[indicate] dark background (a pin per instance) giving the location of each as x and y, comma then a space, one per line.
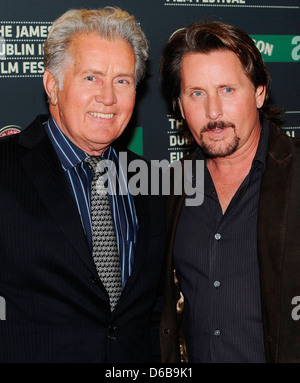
22, 98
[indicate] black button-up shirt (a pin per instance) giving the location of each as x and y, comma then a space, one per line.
217, 267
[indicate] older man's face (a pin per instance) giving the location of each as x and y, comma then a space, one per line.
97, 97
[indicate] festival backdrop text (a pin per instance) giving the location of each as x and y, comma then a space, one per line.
24, 25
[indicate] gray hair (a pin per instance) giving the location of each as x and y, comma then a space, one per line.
109, 23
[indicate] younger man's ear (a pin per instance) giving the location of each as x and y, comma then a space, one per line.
260, 95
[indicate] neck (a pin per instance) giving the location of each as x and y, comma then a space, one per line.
91, 148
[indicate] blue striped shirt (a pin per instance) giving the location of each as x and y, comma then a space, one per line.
79, 177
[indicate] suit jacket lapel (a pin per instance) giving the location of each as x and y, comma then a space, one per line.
44, 169
273, 209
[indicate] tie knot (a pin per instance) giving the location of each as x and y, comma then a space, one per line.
95, 164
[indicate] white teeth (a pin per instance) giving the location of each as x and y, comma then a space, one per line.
101, 115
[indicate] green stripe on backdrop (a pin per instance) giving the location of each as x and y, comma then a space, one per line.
278, 48
136, 142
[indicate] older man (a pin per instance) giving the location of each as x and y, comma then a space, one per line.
80, 269
236, 255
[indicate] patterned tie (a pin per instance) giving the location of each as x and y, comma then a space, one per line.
105, 248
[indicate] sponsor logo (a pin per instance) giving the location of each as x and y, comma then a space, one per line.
9, 130
278, 48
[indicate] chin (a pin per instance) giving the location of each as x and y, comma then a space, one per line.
220, 151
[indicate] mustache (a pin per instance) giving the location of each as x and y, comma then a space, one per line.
217, 125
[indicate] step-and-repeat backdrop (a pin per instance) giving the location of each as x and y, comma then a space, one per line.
24, 25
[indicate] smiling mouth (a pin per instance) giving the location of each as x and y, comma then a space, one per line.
102, 115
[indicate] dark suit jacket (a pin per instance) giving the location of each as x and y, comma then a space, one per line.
278, 252
56, 306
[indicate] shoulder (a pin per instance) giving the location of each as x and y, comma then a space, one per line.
295, 144
14, 146
9, 149
281, 146
29, 134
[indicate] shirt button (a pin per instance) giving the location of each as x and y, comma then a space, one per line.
217, 283
217, 332
217, 236
112, 328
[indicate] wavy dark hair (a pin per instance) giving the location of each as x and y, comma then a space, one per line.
215, 36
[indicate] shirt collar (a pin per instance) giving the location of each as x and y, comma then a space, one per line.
261, 155
68, 153
262, 149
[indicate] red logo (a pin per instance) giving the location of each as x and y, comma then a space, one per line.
9, 130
